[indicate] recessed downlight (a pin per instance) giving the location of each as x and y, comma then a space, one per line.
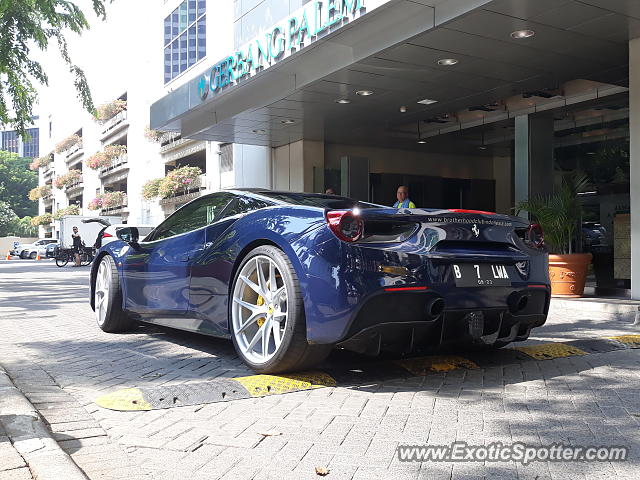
259, 131
403, 109
427, 101
343, 101
422, 141
518, 34
447, 62
288, 121
364, 93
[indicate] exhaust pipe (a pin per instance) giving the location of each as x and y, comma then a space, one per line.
518, 302
434, 308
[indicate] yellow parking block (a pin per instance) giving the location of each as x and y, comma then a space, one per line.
262, 385
545, 351
125, 399
437, 363
632, 341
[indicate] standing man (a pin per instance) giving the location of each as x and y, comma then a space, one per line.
403, 198
77, 245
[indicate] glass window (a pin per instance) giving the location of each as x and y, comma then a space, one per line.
184, 37
243, 205
183, 16
167, 64
175, 59
318, 200
31, 145
167, 30
202, 38
183, 52
10, 141
192, 216
192, 45
192, 11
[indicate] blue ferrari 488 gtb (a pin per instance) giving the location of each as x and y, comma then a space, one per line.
289, 276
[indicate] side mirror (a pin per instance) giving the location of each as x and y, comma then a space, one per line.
129, 235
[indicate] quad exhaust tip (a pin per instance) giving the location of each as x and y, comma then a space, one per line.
518, 302
434, 308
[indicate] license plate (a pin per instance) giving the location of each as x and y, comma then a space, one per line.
481, 275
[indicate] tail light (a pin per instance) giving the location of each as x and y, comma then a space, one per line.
534, 236
345, 225
106, 235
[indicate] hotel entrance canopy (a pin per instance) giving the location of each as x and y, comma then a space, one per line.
308, 76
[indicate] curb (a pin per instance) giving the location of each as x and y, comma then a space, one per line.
31, 438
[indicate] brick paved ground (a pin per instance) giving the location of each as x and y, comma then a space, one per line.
55, 353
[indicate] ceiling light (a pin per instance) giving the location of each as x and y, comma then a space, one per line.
422, 140
482, 147
364, 93
288, 121
403, 109
343, 100
427, 101
259, 131
518, 34
447, 62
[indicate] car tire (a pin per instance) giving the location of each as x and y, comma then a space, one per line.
33, 255
280, 303
108, 298
23, 254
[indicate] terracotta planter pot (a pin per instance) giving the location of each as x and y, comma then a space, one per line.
568, 274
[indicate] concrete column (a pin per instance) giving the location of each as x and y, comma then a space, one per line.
533, 172
521, 167
634, 178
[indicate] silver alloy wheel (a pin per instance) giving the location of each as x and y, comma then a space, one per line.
101, 296
259, 310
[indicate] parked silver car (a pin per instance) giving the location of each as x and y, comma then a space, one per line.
31, 250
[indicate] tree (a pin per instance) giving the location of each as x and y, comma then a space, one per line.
15, 182
25, 23
7, 219
10, 224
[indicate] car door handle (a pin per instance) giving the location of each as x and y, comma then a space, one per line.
207, 245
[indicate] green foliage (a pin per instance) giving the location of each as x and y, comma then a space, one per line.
7, 217
560, 213
16, 180
45, 219
70, 210
28, 24
609, 164
10, 224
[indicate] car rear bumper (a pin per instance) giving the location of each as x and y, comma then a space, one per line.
417, 320
406, 322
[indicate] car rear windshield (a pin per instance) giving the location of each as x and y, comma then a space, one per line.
331, 202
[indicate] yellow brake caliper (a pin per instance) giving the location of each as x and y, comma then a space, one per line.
260, 302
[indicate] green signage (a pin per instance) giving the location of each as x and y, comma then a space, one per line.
303, 27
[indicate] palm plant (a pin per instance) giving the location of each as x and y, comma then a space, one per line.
560, 213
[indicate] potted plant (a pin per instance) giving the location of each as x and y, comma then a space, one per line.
559, 214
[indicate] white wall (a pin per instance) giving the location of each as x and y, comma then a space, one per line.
125, 54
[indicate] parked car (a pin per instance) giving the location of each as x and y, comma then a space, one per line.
50, 250
111, 233
31, 250
288, 276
